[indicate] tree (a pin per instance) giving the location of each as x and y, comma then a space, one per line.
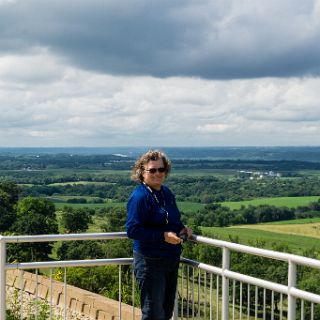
9, 193
75, 220
75, 250
34, 216
115, 219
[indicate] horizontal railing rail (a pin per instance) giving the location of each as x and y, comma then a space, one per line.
224, 271
63, 237
68, 263
276, 255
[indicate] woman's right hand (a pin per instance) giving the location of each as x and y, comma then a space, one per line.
171, 238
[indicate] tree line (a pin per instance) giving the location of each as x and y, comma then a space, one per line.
202, 189
117, 162
216, 215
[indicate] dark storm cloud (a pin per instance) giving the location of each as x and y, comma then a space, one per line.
208, 39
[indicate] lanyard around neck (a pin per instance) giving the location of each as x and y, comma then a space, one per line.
158, 202
155, 196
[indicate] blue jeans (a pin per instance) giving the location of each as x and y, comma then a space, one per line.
157, 280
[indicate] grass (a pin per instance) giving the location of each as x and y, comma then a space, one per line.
290, 202
89, 171
249, 235
61, 198
305, 229
204, 172
60, 205
295, 221
188, 206
79, 183
183, 206
95, 226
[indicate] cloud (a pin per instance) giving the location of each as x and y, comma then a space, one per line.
37, 67
73, 107
159, 73
206, 39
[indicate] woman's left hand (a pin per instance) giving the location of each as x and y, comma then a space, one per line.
186, 231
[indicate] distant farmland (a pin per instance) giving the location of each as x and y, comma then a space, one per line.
303, 229
290, 202
305, 238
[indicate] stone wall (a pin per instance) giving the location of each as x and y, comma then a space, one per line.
81, 304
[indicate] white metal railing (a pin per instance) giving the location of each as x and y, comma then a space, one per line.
51, 264
197, 291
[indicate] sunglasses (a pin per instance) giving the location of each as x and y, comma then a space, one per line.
154, 170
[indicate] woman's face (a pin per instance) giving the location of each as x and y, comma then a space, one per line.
154, 179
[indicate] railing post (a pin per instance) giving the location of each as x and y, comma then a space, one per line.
225, 284
176, 307
292, 280
2, 279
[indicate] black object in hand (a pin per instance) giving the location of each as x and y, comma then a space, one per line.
183, 236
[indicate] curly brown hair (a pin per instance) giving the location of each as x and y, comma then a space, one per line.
151, 155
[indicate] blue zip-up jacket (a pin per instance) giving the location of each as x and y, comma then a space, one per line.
146, 221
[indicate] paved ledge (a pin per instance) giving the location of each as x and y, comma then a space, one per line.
79, 303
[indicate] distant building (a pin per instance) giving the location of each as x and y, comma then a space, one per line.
255, 175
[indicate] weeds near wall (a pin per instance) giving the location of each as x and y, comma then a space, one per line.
35, 309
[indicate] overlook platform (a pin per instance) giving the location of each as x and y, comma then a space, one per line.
204, 291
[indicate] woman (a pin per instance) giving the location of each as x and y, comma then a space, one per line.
154, 223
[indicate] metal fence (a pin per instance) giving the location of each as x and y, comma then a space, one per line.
204, 291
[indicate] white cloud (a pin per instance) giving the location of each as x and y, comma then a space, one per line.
214, 128
159, 73
76, 107
6, 1
34, 68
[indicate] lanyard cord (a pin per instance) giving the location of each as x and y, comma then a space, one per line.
163, 207
155, 196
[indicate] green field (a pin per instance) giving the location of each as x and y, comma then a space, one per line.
272, 240
79, 183
183, 206
252, 235
295, 221
61, 198
59, 205
225, 173
290, 202
186, 206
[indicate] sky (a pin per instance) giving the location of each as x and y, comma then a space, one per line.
105, 73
